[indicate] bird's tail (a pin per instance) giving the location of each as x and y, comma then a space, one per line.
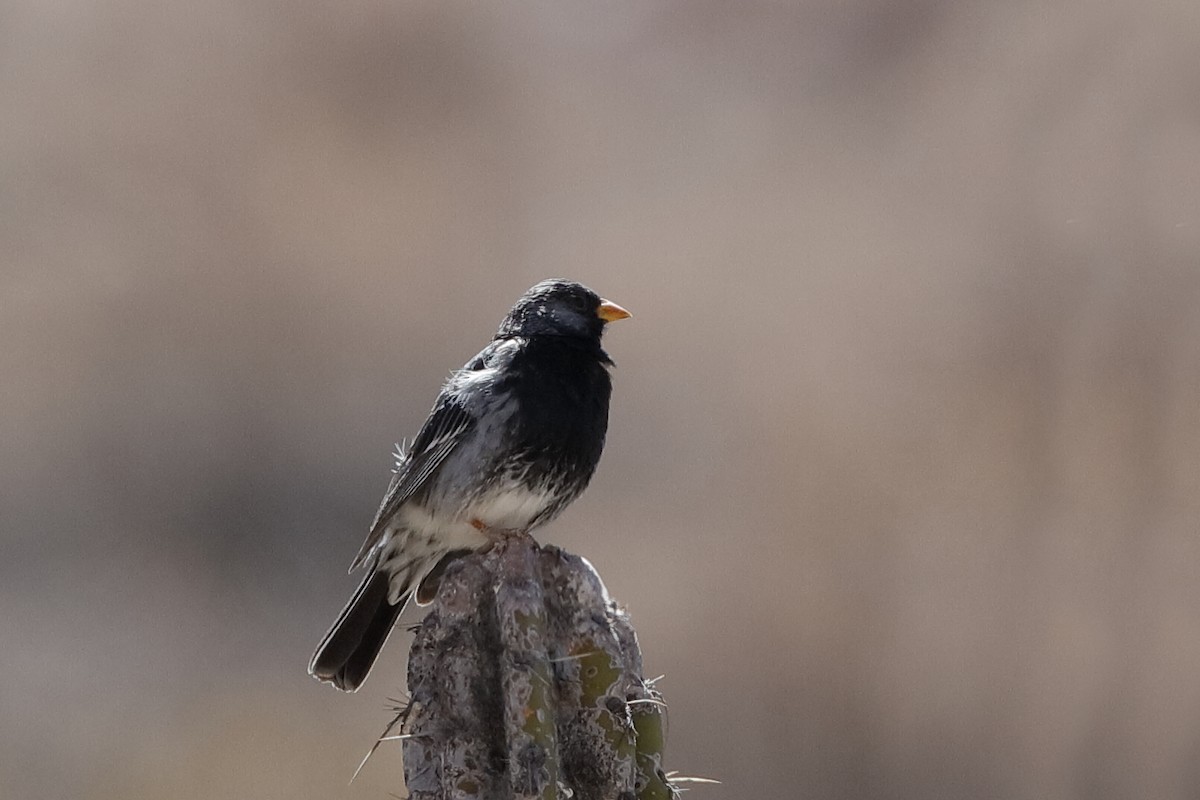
348, 651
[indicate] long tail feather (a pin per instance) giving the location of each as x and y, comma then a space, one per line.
349, 650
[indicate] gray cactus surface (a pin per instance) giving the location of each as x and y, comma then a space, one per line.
526, 682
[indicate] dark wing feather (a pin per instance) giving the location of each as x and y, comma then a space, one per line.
446, 426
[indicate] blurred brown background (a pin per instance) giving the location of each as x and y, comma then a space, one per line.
901, 484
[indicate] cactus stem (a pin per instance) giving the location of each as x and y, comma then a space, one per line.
526, 683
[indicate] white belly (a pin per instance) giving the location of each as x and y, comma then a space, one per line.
514, 508
415, 540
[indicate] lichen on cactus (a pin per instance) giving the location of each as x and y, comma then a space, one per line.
526, 682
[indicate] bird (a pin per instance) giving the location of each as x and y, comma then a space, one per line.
512, 439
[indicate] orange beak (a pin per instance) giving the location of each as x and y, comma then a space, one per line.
611, 312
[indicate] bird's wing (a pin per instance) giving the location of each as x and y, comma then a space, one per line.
447, 425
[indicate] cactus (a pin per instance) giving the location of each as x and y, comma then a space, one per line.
525, 682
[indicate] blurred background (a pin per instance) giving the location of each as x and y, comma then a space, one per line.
902, 480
